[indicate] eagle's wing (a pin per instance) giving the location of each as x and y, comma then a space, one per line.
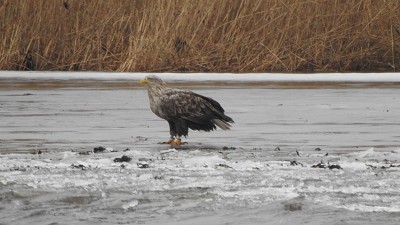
201, 112
183, 104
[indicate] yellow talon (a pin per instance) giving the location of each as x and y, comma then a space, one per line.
177, 142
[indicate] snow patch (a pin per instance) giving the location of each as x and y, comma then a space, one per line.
131, 204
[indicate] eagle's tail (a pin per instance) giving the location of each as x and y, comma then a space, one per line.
223, 124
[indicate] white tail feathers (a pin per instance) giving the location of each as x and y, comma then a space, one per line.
222, 124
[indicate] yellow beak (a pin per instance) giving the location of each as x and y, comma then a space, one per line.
144, 81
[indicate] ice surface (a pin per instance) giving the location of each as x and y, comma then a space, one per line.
224, 177
186, 185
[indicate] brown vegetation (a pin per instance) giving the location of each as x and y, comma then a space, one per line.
200, 35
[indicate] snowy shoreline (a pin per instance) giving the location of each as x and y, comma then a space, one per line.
207, 77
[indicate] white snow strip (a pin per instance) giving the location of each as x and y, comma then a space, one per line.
209, 77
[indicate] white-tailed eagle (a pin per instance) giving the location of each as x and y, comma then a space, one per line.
184, 109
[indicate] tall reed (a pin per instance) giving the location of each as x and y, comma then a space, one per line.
206, 35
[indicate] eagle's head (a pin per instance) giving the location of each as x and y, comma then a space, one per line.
152, 80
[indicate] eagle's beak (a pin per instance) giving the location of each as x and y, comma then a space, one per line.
144, 81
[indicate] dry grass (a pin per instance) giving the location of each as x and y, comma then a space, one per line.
206, 35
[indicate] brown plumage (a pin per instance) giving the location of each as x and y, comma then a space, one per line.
184, 109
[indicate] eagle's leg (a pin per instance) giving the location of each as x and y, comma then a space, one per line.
171, 139
171, 132
178, 141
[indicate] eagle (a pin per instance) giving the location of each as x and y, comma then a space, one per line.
184, 109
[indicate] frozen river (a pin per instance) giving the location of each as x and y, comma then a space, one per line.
310, 154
